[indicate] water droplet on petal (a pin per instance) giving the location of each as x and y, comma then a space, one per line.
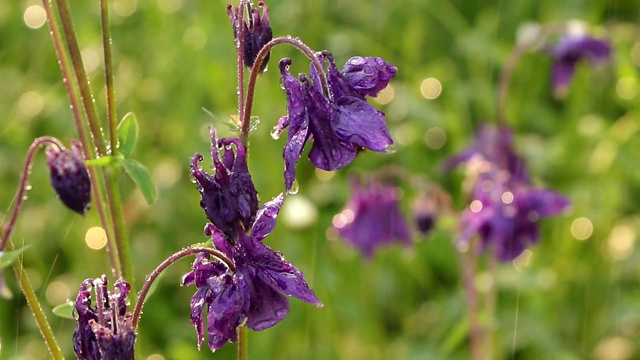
275, 133
294, 188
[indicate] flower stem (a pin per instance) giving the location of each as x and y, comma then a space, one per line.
23, 184
468, 263
112, 114
36, 309
137, 312
245, 115
244, 127
87, 148
243, 343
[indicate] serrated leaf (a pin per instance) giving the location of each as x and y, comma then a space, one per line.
127, 134
8, 257
103, 161
64, 310
141, 177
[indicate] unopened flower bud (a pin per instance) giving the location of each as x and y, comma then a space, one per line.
69, 177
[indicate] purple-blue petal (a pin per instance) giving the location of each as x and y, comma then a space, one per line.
357, 122
368, 75
266, 218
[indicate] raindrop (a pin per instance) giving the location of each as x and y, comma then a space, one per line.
24, 198
295, 187
335, 154
27, 187
192, 177
275, 133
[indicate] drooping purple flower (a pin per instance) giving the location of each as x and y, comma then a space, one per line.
256, 31
69, 177
505, 217
228, 197
253, 292
105, 330
492, 149
372, 218
337, 119
570, 50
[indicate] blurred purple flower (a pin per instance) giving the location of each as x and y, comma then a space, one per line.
69, 177
372, 218
338, 120
228, 197
254, 291
506, 217
568, 51
492, 149
256, 32
105, 330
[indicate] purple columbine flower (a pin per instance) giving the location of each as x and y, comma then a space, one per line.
506, 217
228, 197
570, 50
105, 330
338, 120
256, 31
254, 291
69, 177
492, 149
372, 218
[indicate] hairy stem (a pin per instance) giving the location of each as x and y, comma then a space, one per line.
165, 264
36, 309
243, 343
112, 114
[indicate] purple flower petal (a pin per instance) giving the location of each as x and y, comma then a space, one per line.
358, 123
368, 75
266, 218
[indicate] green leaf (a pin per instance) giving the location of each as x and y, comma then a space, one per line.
128, 134
103, 161
141, 177
8, 257
64, 310
232, 126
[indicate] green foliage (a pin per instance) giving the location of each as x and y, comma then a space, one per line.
571, 300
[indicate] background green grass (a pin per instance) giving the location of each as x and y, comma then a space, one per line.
575, 300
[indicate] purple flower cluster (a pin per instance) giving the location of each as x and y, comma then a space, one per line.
338, 120
256, 32
69, 177
506, 208
105, 330
253, 292
372, 218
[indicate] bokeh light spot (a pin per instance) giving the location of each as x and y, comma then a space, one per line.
581, 228
57, 292
30, 104
125, 8
435, 138
635, 54
35, 16
299, 212
627, 88
169, 7
621, 242
96, 238
342, 219
195, 38
614, 348
430, 88
155, 357
507, 197
385, 96
405, 134
523, 260
476, 206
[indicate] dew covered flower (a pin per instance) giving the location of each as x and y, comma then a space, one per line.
569, 51
105, 329
228, 197
338, 120
253, 291
372, 218
255, 29
69, 177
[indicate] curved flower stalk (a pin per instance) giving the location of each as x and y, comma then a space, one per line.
254, 292
372, 218
105, 330
338, 120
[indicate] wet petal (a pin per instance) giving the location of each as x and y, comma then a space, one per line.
358, 123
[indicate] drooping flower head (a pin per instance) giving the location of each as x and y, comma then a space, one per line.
228, 197
105, 330
255, 29
255, 291
505, 216
69, 177
569, 51
505, 207
372, 218
337, 119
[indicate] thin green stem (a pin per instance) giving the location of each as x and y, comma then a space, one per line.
36, 309
468, 264
112, 114
243, 343
120, 233
137, 312
255, 71
244, 127
97, 176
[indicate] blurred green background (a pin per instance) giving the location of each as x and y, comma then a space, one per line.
576, 297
